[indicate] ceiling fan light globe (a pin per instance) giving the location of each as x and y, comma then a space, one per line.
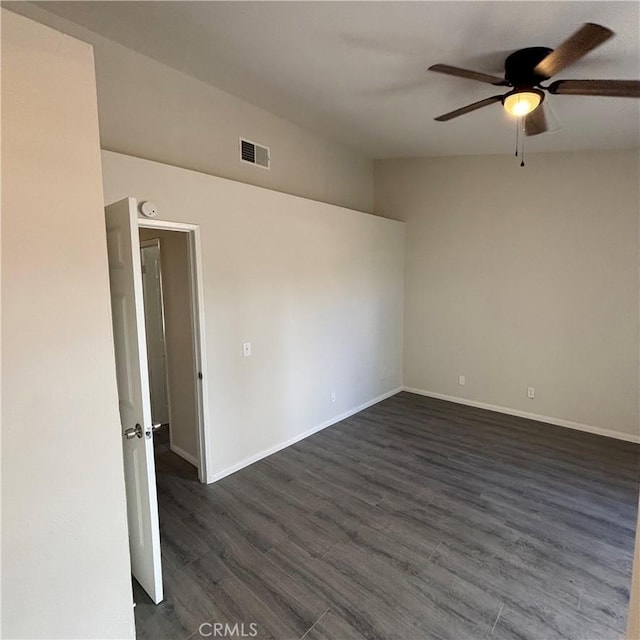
520, 103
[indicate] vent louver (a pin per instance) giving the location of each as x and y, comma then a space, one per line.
255, 154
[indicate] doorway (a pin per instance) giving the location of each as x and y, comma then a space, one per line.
171, 295
132, 375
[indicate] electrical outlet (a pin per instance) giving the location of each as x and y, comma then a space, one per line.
333, 396
462, 380
246, 349
531, 393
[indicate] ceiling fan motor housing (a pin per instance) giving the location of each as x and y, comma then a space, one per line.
519, 67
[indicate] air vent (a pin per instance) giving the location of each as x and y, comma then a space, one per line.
253, 153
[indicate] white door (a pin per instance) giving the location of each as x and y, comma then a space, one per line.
127, 310
154, 324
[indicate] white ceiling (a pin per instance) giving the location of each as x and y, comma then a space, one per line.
356, 71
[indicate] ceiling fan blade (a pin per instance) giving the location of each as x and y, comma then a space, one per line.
466, 73
536, 122
613, 88
470, 107
588, 37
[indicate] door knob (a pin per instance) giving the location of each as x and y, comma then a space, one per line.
133, 432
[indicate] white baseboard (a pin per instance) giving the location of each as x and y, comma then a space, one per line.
183, 454
559, 422
214, 477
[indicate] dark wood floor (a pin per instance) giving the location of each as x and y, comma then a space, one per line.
416, 518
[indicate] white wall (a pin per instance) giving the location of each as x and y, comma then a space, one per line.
181, 359
152, 111
65, 555
522, 277
316, 289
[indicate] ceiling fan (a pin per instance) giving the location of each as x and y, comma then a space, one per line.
526, 69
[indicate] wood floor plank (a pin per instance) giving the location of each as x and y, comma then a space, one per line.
180, 543
435, 600
332, 627
365, 610
535, 621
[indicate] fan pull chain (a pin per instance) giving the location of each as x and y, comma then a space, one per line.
520, 124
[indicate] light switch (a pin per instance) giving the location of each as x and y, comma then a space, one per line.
246, 349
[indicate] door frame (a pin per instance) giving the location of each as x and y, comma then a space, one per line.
198, 325
156, 243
